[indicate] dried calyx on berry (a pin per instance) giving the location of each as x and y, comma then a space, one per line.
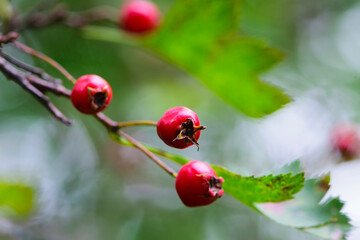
98, 97
179, 127
198, 185
188, 130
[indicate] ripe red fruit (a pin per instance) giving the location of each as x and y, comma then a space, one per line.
198, 185
91, 94
139, 16
179, 127
345, 139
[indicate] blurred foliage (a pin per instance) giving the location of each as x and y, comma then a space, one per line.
201, 37
18, 197
228, 63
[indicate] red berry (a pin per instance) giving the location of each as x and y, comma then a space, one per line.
179, 127
91, 94
198, 185
139, 16
345, 139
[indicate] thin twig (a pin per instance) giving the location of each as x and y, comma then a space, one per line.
160, 152
31, 69
21, 79
111, 125
45, 59
42, 6
84, 18
149, 154
10, 37
61, 15
49, 86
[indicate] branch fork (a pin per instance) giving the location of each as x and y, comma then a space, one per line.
37, 83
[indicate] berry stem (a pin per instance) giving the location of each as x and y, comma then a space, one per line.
147, 152
136, 123
171, 156
113, 126
45, 58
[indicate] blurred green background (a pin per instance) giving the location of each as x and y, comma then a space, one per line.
88, 187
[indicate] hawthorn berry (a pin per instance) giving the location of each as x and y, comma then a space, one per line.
139, 16
179, 127
198, 185
346, 140
91, 94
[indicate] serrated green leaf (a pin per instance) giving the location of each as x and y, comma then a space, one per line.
306, 213
16, 196
332, 231
250, 190
200, 36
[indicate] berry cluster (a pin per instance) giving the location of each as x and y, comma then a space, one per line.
196, 183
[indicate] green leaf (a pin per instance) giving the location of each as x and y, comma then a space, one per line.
16, 196
200, 36
334, 231
305, 212
250, 190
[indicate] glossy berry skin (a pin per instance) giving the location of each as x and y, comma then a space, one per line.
139, 16
198, 185
345, 139
91, 94
179, 127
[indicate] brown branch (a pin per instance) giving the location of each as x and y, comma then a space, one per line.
20, 78
31, 69
45, 58
111, 125
61, 15
28, 82
10, 37
49, 86
96, 14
